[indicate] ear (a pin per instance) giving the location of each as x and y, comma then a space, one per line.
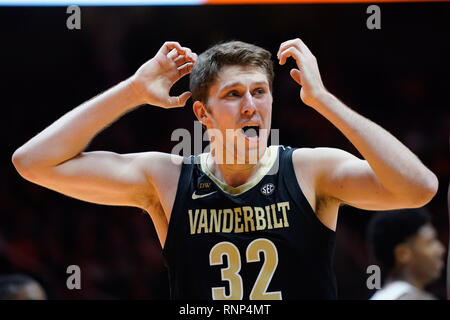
403, 254
200, 112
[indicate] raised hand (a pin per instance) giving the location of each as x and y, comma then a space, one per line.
153, 80
307, 75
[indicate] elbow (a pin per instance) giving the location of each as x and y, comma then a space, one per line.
23, 167
430, 187
17, 159
426, 191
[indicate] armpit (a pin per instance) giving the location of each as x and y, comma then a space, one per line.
327, 211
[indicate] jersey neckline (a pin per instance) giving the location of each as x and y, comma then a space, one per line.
268, 160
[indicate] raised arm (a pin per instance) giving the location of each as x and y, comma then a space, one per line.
55, 159
389, 177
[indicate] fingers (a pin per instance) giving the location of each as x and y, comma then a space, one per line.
185, 69
178, 61
295, 74
178, 54
171, 45
297, 43
181, 60
180, 101
191, 55
173, 54
182, 71
291, 52
296, 49
173, 49
185, 64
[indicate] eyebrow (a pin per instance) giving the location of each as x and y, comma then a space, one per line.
237, 83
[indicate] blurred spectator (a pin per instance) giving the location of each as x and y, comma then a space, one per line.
20, 287
406, 245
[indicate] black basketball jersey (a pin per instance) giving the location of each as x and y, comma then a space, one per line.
260, 240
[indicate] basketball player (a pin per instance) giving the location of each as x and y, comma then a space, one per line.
232, 229
405, 243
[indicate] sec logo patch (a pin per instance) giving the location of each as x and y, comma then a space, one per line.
267, 189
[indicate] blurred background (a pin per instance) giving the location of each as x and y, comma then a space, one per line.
397, 76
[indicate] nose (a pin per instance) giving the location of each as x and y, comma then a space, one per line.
248, 105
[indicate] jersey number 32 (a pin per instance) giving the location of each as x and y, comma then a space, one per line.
231, 272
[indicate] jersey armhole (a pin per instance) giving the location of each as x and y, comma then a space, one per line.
182, 186
288, 173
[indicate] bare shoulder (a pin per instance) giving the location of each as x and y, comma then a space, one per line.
309, 159
309, 164
323, 164
322, 160
162, 171
158, 165
303, 156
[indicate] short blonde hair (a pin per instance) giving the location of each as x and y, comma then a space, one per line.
210, 62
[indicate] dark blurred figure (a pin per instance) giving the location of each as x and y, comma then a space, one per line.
448, 253
405, 244
20, 287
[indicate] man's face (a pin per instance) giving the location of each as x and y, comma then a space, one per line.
240, 108
427, 254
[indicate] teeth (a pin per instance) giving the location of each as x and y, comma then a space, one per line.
251, 131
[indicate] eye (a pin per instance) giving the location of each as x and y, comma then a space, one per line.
233, 93
259, 91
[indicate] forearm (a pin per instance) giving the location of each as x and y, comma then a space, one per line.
398, 169
70, 134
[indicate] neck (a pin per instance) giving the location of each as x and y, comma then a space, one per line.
233, 174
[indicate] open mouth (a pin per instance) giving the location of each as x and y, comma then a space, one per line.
251, 131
